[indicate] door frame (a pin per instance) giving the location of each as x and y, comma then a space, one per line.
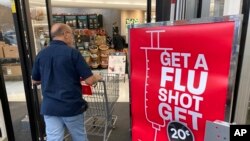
5, 107
27, 56
22, 23
242, 91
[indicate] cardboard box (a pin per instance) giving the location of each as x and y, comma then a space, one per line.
12, 69
10, 52
2, 43
1, 52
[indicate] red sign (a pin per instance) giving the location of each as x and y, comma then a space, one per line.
179, 79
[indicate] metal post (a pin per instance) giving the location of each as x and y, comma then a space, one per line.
6, 109
199, 9
26, 61
163, 10
241, 91
49, 15
149, 11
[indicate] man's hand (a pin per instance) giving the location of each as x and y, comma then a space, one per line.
97, 77
93, 79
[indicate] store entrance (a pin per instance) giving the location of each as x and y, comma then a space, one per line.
19, 109
13, 98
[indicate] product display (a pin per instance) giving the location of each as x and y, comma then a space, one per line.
90, 38
94, 21
82, 21
58, 19
10, 52
71, 20
93, 47
7, 51
40, 29
100, 40
38, 14
12, 71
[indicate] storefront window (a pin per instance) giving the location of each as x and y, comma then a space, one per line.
11, 69
39, 22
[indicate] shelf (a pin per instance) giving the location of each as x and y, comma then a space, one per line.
40, 24
9, 60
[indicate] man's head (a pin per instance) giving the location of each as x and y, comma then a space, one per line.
63, 33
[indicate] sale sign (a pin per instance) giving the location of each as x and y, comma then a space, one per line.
179, 79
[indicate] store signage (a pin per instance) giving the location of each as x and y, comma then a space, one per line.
58, 19
179, 79
117, 63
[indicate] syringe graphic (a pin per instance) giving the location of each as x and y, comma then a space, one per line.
151, 92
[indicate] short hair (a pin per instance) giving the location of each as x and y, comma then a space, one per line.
59, 31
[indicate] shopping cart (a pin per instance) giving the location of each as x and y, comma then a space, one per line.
99, 117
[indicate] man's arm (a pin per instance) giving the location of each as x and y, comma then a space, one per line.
84, 70
93, 79
36, 76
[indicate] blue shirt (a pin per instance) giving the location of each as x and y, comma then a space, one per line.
59, 69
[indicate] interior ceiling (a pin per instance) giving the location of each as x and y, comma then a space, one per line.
115, 4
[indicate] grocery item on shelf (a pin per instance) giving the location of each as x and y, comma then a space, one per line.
111, 51
38, 13
99, 40
104, 66
70, 20
104, 55
94, 65
93, 49
94, 57
104, 49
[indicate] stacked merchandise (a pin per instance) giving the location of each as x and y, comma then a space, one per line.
71, 21
93, 47
11, 71
99, 52
104, 55
58, 18
90, 37
82, 39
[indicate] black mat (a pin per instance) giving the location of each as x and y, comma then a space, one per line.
21, 129
121, 131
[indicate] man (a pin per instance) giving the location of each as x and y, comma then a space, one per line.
59, 68
118, 42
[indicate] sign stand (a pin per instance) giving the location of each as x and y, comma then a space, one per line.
217, 131
179, 76
117, 64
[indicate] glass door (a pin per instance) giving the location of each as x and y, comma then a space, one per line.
39, 24
6, 128
38, 30
242, 108
3, 133
23, 33
12, 76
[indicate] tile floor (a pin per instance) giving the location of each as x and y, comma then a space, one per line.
15, 90
16, 97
